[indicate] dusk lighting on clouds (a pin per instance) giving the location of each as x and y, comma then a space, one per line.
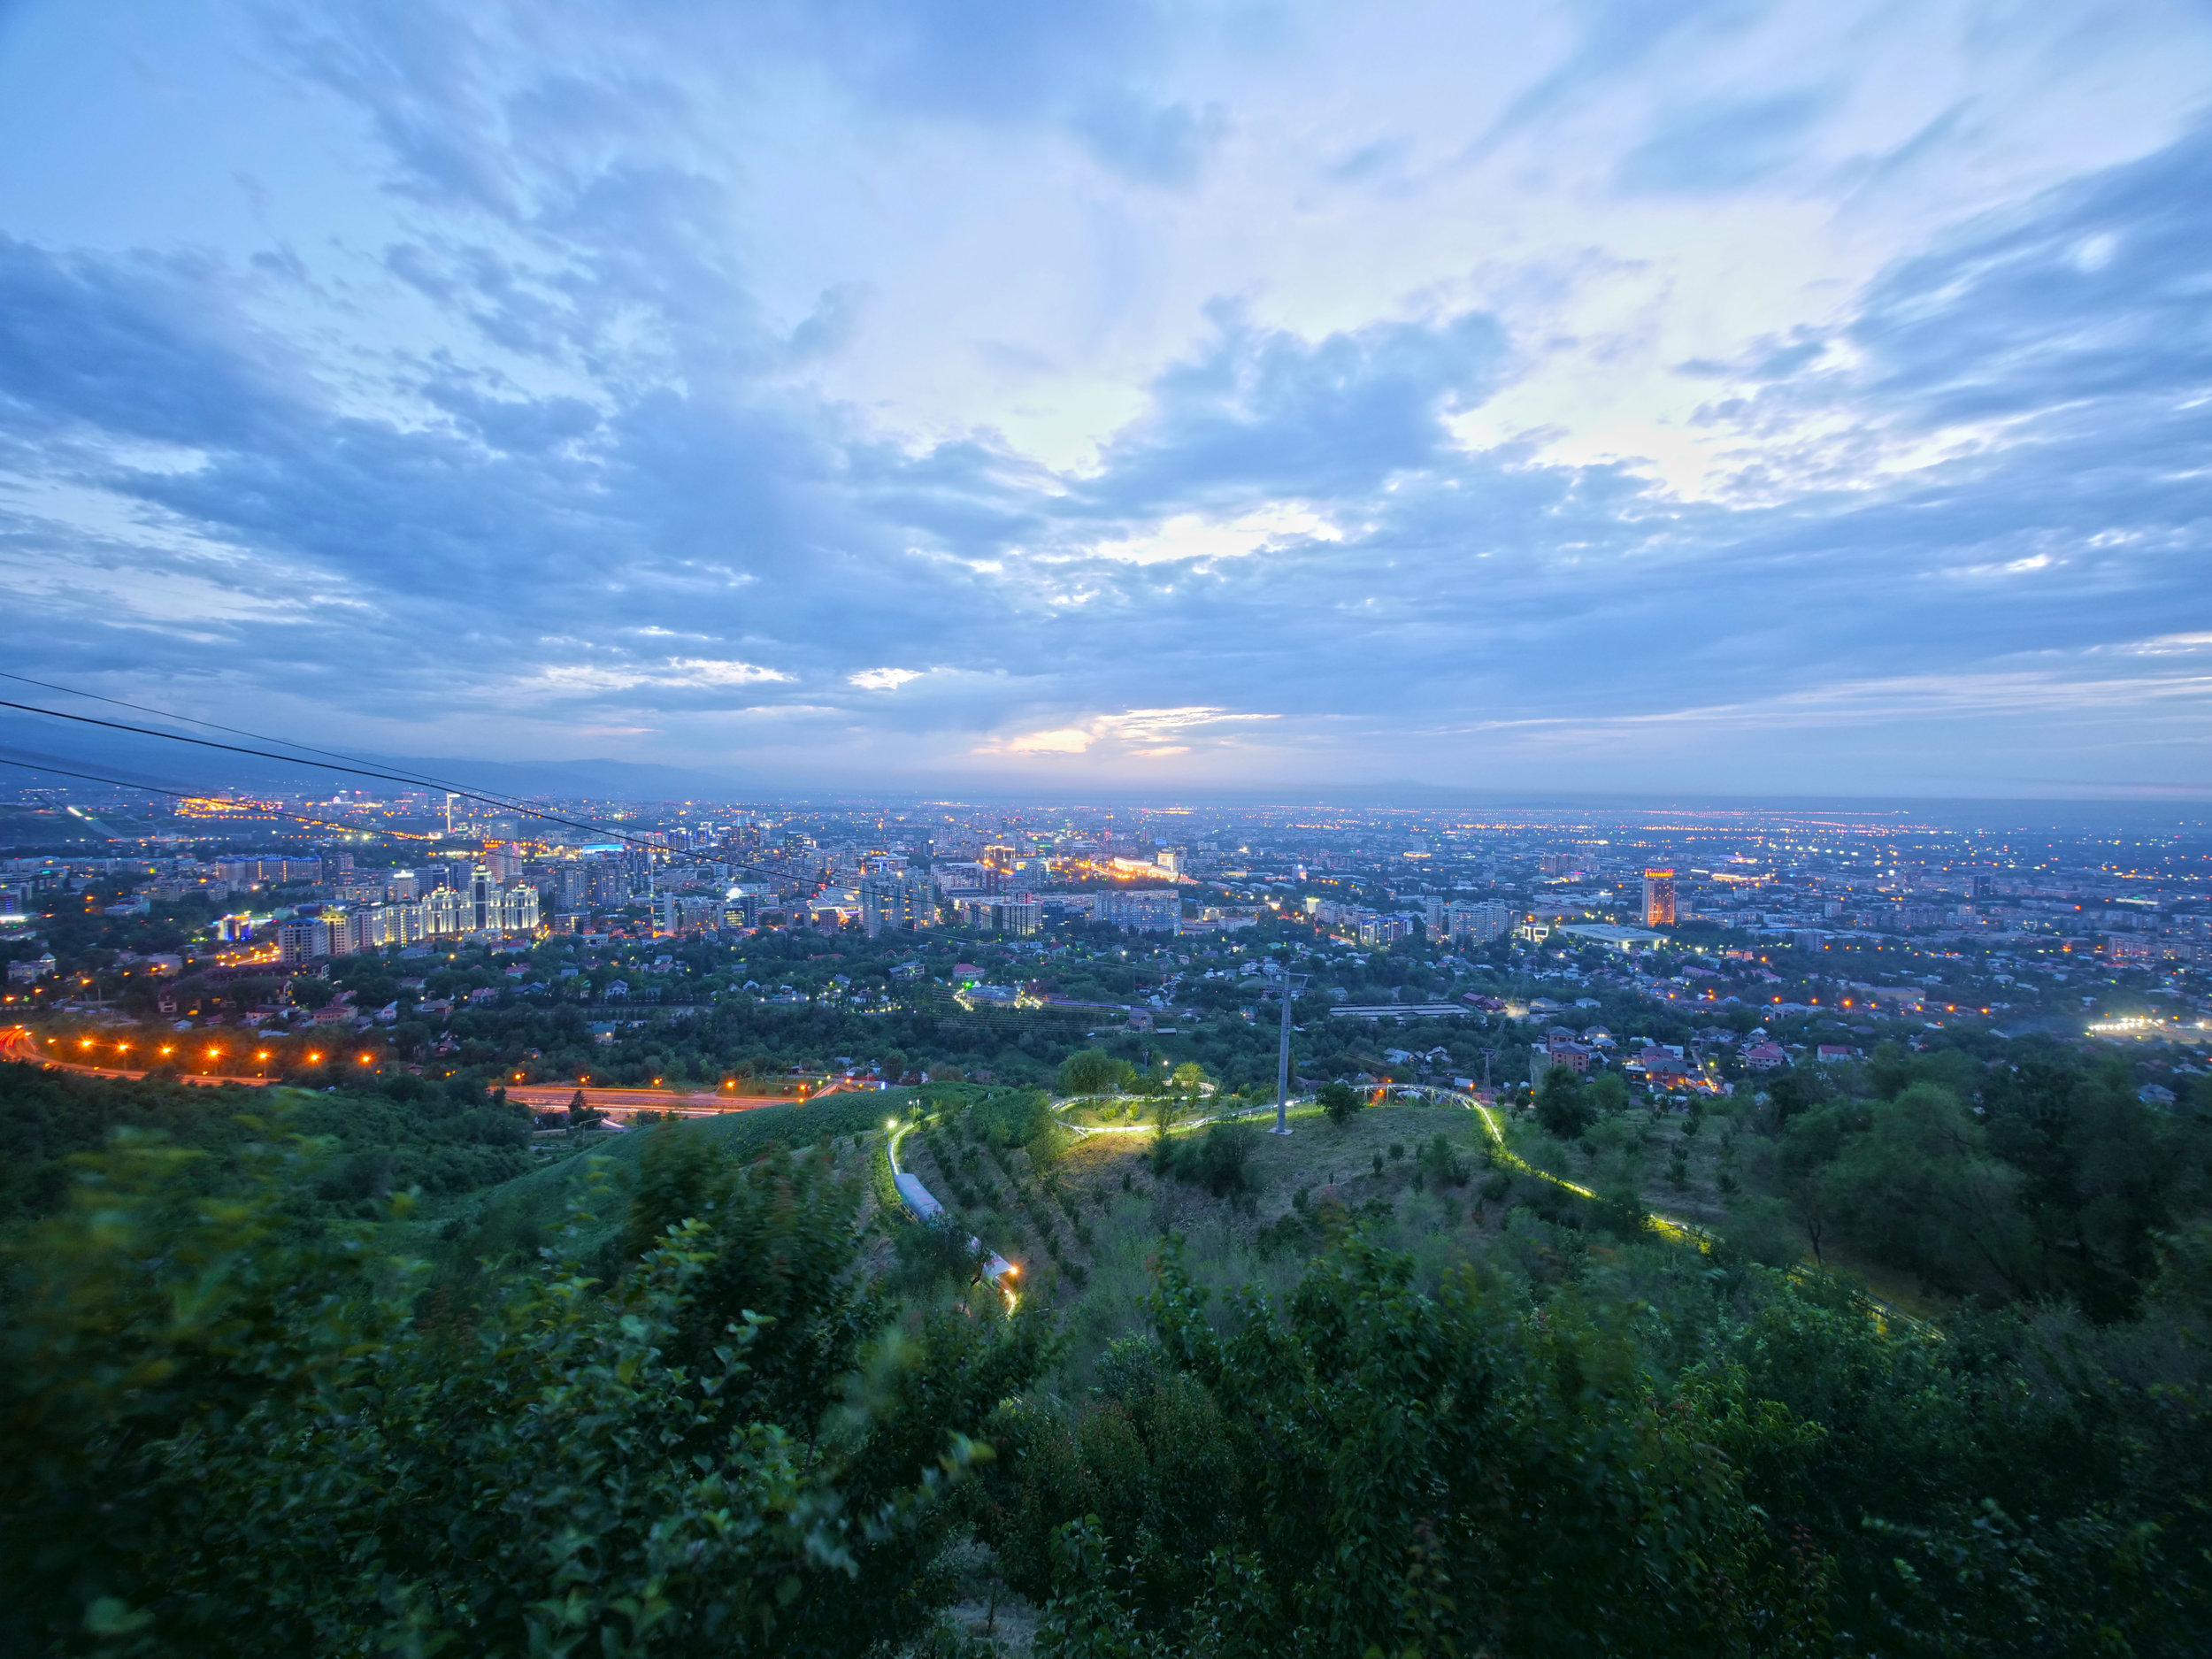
1729, 398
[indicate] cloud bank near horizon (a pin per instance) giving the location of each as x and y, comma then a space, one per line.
1162, 397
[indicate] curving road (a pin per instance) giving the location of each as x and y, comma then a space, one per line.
19, 1045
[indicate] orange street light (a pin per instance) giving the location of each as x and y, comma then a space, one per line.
314, 1059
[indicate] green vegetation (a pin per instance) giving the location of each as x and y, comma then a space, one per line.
704, 1387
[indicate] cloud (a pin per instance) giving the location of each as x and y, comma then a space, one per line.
1162, 144
1190, 535
1142, 732
1065, 740
1723, 146
677, 672
560, 404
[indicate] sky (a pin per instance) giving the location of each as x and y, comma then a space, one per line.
1683, 395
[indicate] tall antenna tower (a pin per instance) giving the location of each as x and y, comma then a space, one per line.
1287, 987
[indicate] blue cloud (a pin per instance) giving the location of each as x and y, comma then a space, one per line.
1163, 144
1722, 146
1263, 411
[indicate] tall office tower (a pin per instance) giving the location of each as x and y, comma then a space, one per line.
1658, 898
571, 883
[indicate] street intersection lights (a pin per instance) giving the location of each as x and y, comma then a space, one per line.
1290, 984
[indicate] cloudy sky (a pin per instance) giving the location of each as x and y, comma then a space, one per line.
1697, 396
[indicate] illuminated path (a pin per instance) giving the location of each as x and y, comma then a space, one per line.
924, 1203
19, 1045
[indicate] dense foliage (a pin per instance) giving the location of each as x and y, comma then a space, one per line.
717, 1410
403, 1134
1366, 1468
224, 1434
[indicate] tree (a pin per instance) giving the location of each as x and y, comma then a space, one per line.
1810, 1143
1918, 1190
1561, 1106
223, 1433
1608, 1093
1342, 1101
1365, 1469
1188, 1077
1093, 1071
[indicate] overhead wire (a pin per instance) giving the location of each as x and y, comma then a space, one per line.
504, 802
181, 794
359, 772
426, 781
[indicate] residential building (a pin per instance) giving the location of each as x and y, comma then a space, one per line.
1659, 906
680, 913
303, 938
1015, 913
896, 898
1478, 923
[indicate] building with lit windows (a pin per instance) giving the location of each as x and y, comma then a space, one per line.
1479, 923
303, 938
896, 900
1658, 898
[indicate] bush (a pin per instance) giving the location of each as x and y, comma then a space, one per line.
1620, 1210
1218, 1160
1342, 1101
1095, 1072
1443, 1164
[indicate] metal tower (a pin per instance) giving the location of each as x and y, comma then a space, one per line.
1290, 984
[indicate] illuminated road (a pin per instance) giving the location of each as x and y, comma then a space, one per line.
996, 1268
19, 1045
626, 1102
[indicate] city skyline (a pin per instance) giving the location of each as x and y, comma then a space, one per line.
1716, 402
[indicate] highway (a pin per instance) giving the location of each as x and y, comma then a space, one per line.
627, 1101
18, 1044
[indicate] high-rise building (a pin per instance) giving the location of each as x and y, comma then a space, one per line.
303, 938
1143, 909
1658, 898
1479, 923
680, 913
518, 908
896, 901
482, 900
1015, 913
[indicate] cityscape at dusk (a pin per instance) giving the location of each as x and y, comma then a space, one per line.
1116, 830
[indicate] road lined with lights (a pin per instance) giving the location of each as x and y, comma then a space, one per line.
610, 1101
19, 1045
